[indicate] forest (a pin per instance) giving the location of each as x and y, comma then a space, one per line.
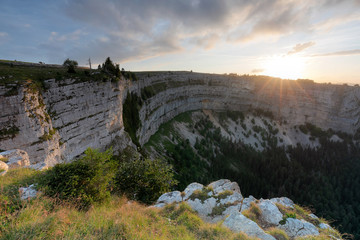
324, 179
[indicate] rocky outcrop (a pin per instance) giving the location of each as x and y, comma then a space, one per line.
16, 158
298, 228
237, 222
58, 122
222, 201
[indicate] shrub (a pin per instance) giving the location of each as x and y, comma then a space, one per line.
144, 180
253, 213
70, 65
85, 180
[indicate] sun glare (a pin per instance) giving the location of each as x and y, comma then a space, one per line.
287, 67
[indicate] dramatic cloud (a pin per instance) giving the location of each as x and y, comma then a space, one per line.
153, 28
340, 53
301, 47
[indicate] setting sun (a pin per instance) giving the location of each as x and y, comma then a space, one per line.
287, 67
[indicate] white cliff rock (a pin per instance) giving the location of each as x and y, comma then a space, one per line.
237, 222
62, 121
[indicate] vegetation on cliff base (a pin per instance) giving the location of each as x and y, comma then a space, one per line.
131, 107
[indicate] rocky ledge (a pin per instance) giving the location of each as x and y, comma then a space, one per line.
264, 218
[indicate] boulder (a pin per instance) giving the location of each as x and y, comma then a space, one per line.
191, 188
235, 198
203, 208
237, 222
223, 185
324, 226
28, 192
3, 168
16, 158
170, 197
313, 216
286, 202
298, 228
246, 203
270, 214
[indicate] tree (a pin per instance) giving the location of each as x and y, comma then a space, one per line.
70, 65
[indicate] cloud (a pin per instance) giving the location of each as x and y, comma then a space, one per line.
339, 53
73, 36
257, 70
143, 29
3, 34
301, 47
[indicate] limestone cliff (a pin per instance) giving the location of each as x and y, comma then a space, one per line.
58, 122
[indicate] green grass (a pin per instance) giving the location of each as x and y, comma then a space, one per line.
49, 218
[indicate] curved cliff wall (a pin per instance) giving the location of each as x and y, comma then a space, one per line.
296, 102
59, 123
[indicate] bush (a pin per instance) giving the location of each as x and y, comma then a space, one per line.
85, 180
70, 65
144, 180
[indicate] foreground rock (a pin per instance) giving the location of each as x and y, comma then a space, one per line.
27, 193
16, 158
298, 228
222, 201
237, 222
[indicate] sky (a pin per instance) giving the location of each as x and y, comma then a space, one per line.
308, 39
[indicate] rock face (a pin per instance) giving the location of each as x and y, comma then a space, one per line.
222, 201
57, 123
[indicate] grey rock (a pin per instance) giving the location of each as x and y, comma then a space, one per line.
203, 208
324, 226
287, 202
237, 222
191, 188
170, 197
16, 158
28, 192
298, 228
236, 197
246, 203
313, 216
270, 213
223, 185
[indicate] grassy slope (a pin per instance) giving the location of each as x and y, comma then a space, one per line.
47, 218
